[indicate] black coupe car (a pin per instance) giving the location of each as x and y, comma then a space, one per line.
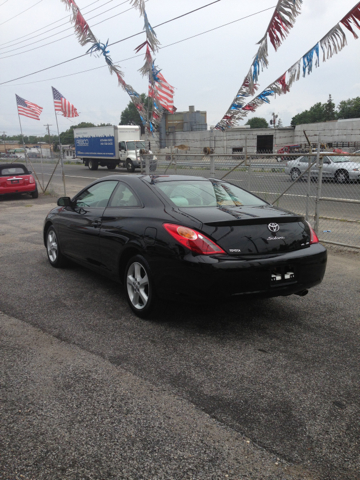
177, 236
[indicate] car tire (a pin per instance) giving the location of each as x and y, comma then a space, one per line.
93, 165
130, 166
55, 256
341, 176
111, 167
35, 193
295, 174
139, 286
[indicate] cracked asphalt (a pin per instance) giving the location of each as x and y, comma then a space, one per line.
253, 389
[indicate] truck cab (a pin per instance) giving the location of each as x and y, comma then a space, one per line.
129, 153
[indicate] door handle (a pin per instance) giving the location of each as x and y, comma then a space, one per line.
96, 223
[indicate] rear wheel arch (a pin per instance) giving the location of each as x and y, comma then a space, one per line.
46, 228
124, 259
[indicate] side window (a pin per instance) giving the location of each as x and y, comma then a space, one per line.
96, 196
124, 197
122, 146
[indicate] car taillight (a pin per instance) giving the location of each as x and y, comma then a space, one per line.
193, 240
31, 179
313, 237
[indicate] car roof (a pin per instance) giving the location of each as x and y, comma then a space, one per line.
153, 178
13, 165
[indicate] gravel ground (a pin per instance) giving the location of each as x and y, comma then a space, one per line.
68, 414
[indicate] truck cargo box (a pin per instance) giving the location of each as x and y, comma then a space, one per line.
96, 142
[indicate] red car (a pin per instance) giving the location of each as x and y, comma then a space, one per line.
16, 178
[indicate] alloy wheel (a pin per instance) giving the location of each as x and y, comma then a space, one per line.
52, 246
137, 284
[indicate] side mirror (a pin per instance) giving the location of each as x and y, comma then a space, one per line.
29, 171
64, 202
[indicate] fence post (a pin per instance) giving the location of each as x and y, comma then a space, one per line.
319, 164
308, 190
212, 165
245, 150
249, 175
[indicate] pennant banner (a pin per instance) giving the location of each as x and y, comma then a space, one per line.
352, 17
281, 22
333, 42
86, 36
159, 90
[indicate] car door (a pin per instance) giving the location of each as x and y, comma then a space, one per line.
79, 225
119, 226
327, 168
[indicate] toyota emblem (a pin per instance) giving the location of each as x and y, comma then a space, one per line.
273, 227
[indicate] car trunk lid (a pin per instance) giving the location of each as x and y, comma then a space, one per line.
251, 230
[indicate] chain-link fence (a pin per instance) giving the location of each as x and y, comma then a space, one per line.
329, 197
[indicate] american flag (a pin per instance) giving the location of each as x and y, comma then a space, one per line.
28, 109
164, 92
62, 105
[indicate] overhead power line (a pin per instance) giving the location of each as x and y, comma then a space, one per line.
58, 33
119, 41
48, 25
67, 36
12, 18
140, 55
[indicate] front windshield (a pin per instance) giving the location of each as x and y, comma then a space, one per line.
135, 145
206, 193
341, 159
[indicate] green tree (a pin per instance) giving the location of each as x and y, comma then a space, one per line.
313, 115
130, 115
67, 137
329, 110
349, 108
257, 122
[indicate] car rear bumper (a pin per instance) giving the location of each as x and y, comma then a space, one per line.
218, 277
27, 188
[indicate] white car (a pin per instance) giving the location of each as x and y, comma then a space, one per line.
339, 169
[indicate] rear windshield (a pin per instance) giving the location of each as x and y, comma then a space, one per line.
5, 172
206, 193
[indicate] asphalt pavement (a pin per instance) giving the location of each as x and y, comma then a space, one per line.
265, 389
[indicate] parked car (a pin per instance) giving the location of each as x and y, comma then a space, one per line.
179, 237
339, 169
296, 149
16, 178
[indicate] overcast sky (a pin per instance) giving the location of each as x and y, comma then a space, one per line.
206, 71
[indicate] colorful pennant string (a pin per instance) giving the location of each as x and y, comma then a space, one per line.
308, 60
149, 69
281, 22
85, 36
333, 42
352, 17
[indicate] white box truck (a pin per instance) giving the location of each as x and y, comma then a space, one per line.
111, 146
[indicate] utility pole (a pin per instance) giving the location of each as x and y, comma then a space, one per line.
48, 129
273, 121
4, 136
